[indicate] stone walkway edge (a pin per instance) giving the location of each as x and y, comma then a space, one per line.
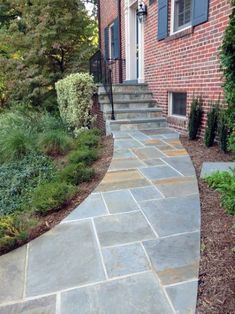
132, 246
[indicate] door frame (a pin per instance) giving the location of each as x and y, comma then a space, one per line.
131, 43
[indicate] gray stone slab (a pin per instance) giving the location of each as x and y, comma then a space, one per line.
173, 215
146, 193
65, 257
137, 294
93, 206
177, 187
154, 162
12, 270
120, 201
46, 305
123, 164
126, 143
210, 167
175, 258
156, 173
184, 297
123, 228
159, 131
122, 154
182, 164
138, 135
124, 260
147, 153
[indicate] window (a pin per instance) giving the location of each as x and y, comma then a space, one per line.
182, 14
112, 41
178, 104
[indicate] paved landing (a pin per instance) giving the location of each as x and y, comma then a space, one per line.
133, 246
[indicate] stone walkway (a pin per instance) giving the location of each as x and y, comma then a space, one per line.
131, 247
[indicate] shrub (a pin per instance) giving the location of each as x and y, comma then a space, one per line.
14, 228
19, 178
224, 182
74, 95
48, 122
223, 130
55, 142
231, 141
228, 60
89, 138
195, 118
15, 144
84, 155
212, 124
51, 196
76, 173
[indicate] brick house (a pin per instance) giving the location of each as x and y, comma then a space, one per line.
174, 49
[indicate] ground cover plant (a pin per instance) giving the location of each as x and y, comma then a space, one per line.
41, 166
224, 182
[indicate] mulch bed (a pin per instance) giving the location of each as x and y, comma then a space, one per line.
217, 266
84, 190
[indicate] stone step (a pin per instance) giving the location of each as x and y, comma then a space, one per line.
125, 88
134, 124
130, 104
121, 114
120, 96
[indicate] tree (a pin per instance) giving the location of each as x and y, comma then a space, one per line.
45, 42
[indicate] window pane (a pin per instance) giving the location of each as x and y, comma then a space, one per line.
179, 101
182, 14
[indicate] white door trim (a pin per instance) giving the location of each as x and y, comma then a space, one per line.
131, 61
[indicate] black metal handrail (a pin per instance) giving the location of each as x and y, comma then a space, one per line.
107, 72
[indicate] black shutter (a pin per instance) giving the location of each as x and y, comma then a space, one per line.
106, 42
162, 19
116, 39
200, 11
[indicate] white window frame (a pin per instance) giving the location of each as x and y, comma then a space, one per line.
170, 106
110, 41
172, 31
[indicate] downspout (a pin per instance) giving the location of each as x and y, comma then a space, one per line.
120, 41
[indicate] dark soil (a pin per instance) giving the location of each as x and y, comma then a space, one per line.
50, 220
217, 266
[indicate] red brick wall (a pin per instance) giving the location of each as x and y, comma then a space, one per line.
108, 13
98, 114
186, 64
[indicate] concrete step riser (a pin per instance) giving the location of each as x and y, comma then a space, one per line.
144, 105
137, 126
126, 89
134, 115
126, 97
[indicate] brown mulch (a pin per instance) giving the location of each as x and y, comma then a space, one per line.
217, 266
51, 219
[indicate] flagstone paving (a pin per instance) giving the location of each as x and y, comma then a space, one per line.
133, 246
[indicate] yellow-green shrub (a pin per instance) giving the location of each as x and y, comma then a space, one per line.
74, 95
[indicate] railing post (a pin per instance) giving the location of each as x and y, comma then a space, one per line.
111, 95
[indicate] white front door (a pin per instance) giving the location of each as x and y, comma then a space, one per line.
134, 44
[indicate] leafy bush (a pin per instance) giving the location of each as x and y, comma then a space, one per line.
51, 196
55, 142
19, 178
224, 182
47, 122
231, 141
74, 95
14, 228
223, 130
76, 173
212, 124
228, 60
195, 118
89, 138
84, 155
